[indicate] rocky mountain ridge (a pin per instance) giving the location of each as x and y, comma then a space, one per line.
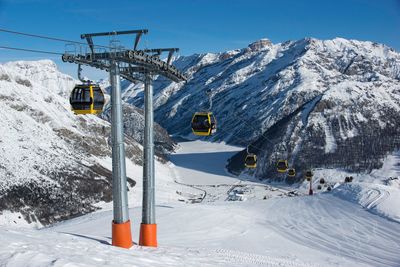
318, 103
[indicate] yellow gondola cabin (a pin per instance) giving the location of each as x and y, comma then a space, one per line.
282, 165
203, 124
291, 172
87, 99
250, 161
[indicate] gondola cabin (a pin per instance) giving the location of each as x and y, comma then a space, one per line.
282, 165
309, 175
87, 99
291, 172
204, 124
250, 161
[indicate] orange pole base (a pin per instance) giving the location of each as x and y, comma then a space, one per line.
121, 234
148, 235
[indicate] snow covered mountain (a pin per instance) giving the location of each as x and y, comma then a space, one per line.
134, 127
134, 123
357, 224
54, 165
332, 103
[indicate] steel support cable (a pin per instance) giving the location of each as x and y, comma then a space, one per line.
248, 124
232, 134
50, 38
56, 53
254, 128
30, 50
121, 48
225, 131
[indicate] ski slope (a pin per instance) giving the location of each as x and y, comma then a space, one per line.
326, 229
203, 163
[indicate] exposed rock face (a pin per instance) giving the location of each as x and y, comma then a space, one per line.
260, 44
333, 103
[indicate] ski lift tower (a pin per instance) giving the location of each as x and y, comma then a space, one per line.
135, 66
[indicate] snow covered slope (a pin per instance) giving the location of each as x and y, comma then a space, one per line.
53, 164
322, 230
134, 127
332, 103
134, 123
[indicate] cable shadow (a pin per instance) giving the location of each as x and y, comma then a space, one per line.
165, 206
95, 239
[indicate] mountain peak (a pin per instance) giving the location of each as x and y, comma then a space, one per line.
260, 44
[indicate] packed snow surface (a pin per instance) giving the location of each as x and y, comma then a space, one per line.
203, 163
326, 229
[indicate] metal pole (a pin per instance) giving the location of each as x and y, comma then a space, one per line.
148, 216
148, 232
121, 234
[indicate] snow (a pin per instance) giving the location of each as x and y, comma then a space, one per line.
378, 199
330, 143
16, 219
203, 163
390, 168
165, 185
308, 109
25, 117
205, 216
357, 83
377, 192
328, 229
45, 147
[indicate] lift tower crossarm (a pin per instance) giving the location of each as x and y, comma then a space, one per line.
134, 57
85, 35
88, 36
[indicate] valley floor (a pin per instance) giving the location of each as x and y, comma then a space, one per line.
202, 225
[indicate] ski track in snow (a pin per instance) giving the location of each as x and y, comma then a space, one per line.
340, 229
323, 226
322, 230
72, 251
375, 197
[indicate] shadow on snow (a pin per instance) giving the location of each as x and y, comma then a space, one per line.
209, 162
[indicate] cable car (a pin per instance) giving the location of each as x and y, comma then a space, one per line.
87, 99
282, 165
204, 123
309, 175
250, 161
292, 172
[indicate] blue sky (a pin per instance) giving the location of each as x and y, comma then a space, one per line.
195, 26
